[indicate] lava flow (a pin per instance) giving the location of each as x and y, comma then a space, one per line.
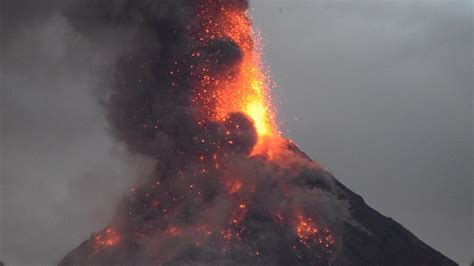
225, 189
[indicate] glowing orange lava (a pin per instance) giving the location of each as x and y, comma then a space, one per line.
248, 91
106, 238
308, 233
235, 187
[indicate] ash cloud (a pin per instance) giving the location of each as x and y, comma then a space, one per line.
149, 104
61, 175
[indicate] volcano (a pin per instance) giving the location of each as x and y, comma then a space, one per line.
190, 92
369, 239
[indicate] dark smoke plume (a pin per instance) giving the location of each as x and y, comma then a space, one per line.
208, 200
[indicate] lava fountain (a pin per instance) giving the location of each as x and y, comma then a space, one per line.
246, 91
249, 91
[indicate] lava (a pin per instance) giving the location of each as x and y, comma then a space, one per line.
311, 236
106, 238
248, 90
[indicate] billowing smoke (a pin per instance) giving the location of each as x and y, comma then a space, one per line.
211, 199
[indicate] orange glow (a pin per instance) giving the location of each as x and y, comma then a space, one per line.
308, 234
236, 228
305, 230
249, 90
235, 187
173, 231
106, 238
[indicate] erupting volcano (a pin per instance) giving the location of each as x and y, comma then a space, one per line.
191, 93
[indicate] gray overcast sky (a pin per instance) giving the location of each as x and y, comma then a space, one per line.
378, 91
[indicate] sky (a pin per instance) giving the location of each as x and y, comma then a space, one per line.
379, 92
